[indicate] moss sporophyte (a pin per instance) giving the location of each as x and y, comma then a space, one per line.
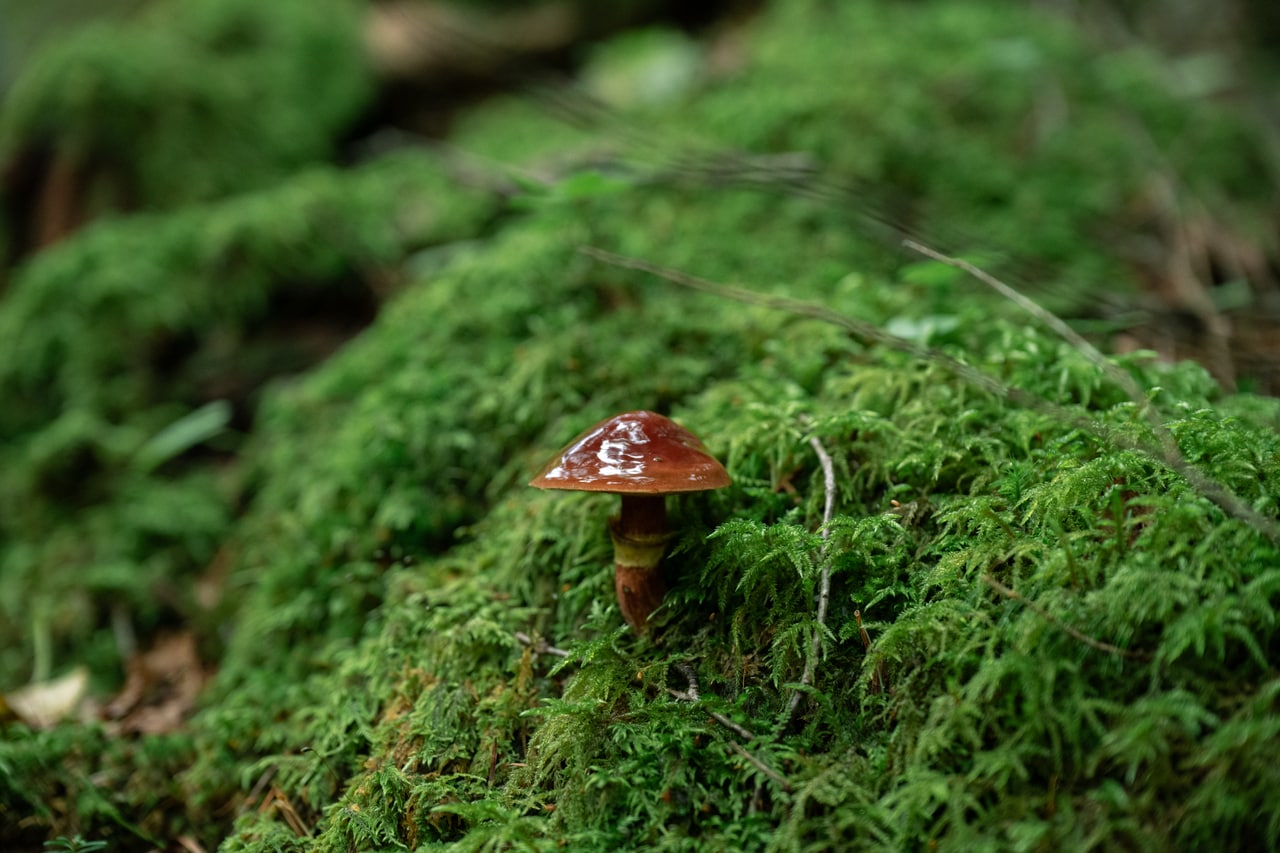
643, 457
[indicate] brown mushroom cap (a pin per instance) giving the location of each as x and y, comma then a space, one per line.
637, 453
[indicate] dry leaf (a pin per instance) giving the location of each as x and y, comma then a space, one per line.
160, 689
45, 704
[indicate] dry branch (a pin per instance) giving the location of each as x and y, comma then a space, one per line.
824, 588
1071, 630
1167, 453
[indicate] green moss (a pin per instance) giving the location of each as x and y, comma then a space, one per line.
97, 323
979, 683
112, 340
198, 99
67, 780
1066, 645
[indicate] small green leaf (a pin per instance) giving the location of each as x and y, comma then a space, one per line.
186, 432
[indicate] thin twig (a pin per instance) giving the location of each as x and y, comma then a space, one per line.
1053, 321
540, 646
760, 765
691, 695
863, 331
824, 584
691, 677
1167, 453
1014, 595
829, 484
730, 724
1036, 310
828, 509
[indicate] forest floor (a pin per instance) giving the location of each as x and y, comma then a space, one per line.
976, 303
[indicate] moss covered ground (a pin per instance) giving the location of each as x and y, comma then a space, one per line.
1032, 606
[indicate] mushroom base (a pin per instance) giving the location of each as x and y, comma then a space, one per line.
637, 578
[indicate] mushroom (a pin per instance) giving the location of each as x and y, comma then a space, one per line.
643, 457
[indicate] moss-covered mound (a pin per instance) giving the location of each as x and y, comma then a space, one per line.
189, 100
967, 591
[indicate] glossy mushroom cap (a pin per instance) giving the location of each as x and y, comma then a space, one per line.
636, 453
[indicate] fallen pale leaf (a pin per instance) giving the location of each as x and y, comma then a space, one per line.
45, 704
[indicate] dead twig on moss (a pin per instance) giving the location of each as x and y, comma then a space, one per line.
824, 584
1070, 630
760, 765
828, 510
692, 695
1036, 310
731, 725
1167, 452
692, 678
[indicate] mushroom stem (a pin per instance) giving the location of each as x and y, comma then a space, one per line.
639, 541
